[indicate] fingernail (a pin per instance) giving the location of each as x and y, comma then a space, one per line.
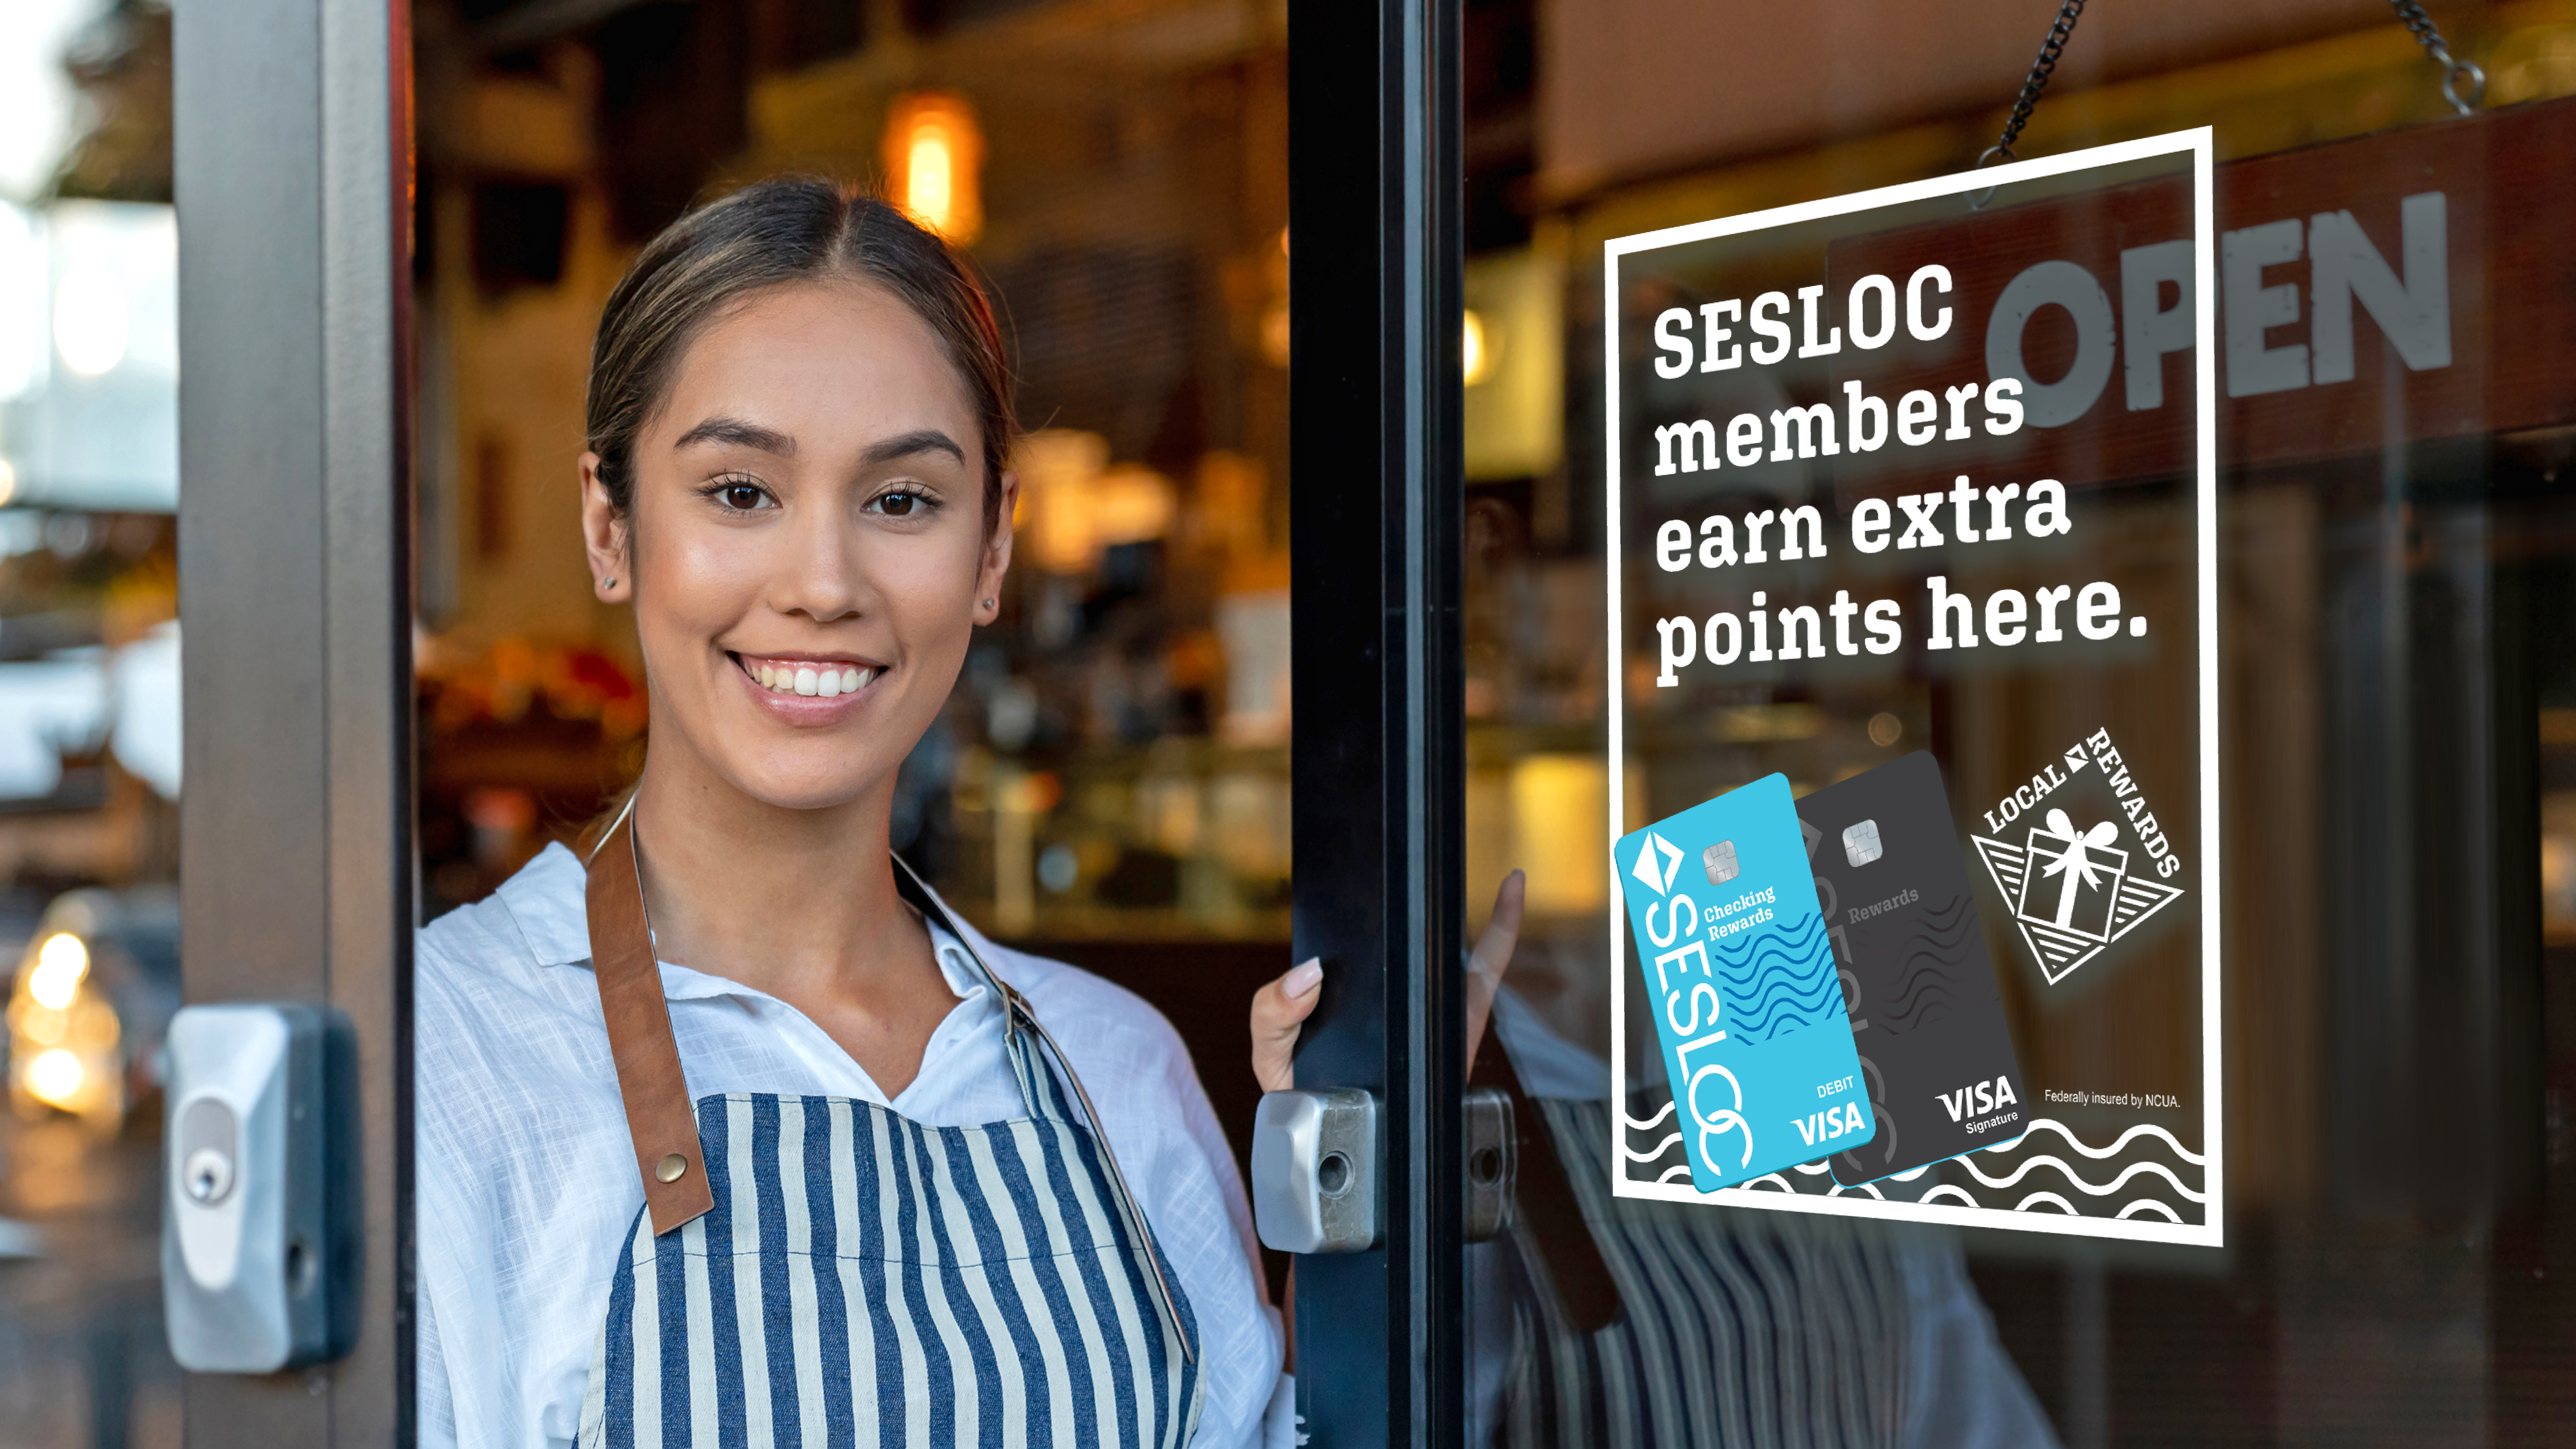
1308, 975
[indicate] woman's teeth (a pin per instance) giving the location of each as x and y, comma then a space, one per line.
824, 681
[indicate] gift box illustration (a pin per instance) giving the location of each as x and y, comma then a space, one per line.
2073, 879
2076, 893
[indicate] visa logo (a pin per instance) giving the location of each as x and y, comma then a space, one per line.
1979, 1099
1831, 1123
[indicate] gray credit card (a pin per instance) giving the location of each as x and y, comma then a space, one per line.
1936, 1052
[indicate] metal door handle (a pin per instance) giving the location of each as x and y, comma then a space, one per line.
253, 1235
1493, 1162
1314, 1171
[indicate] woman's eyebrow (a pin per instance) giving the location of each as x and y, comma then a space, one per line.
904, 445
736, 432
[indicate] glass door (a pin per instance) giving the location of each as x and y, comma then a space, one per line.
2276, 1160
292, 176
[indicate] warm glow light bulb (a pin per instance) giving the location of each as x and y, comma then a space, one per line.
1476, 361
930, 178
60, 964
57, 1077
933, 156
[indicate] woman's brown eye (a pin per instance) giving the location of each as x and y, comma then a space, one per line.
897, 505
741, 495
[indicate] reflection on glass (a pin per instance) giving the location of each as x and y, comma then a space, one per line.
2401, 867
89, 726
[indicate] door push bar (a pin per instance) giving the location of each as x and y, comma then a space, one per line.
1315, 1173
256, 1236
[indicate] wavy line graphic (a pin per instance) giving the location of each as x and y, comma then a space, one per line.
2063, 1205
1779, 982
1926, 967
2146, 1205
1935, 969
1838, 1190
1911, 1174
2098, 1153
2156, 1169
1651, 1123
1676, 1174
1811, 1169
1754, 1003
1660, 1148
1932, 989
1798, 947
1960, 1193
1784, 1009
1773, 1178
1937, 934
1934, 980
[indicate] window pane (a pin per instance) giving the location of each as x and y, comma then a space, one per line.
2391, 555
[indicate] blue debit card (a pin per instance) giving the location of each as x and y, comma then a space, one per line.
1741, 979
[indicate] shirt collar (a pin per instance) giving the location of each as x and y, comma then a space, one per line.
548, 899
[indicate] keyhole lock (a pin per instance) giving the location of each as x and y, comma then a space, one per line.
207, 1175
1333, 1174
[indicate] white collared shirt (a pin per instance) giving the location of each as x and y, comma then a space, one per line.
526, 1176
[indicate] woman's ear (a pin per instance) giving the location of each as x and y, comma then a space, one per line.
997, 553
603, 537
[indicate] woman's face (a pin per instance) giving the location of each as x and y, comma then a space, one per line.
807, 554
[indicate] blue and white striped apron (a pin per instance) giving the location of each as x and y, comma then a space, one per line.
863, 1279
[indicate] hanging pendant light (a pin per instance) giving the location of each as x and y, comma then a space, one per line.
934, 161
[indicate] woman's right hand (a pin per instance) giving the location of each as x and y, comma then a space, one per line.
1280, 1009
1279, 1012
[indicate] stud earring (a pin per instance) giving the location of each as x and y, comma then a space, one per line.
609, 582
988, 603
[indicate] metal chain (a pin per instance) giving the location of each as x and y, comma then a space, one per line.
2059, 32
2427, 34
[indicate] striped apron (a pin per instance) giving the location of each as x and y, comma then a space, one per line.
822, 1271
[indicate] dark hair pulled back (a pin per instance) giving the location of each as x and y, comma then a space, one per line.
782, 230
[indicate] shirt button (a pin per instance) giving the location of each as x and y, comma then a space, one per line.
671, 1168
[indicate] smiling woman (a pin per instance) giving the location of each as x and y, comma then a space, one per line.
815, 1079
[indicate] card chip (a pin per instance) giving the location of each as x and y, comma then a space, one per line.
1719, 861
1860, 843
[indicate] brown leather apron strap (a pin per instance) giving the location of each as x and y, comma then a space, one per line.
658, 1114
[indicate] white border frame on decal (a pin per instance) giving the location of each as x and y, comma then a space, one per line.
2197, 143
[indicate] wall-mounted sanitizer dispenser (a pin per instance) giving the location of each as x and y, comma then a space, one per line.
252, 1258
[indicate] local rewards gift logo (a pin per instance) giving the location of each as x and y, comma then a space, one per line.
2073, 890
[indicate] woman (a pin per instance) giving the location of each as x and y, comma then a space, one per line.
731, 1134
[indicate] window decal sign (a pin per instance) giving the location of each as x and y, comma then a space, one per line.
1913, 692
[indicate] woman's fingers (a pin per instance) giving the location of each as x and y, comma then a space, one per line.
1280, 1009
1492, 956
1279, 1012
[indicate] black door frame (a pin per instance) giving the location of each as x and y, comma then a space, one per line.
1376, 513
293, 161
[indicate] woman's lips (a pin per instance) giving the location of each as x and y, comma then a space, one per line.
822, 678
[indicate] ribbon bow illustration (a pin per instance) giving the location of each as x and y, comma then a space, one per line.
2076, 865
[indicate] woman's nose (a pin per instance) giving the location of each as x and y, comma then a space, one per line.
819, 576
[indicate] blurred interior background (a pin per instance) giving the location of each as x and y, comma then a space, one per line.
1110, 783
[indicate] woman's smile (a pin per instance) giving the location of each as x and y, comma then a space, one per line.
809, 689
